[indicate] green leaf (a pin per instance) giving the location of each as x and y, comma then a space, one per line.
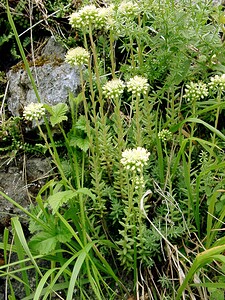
215, 285
42, 283
77, 100
34, 226
81, 124
63, 234
43, 242
80, 142
58, 113
58, 199
76, 269
87, 192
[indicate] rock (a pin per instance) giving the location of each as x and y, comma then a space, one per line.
53, 49
54, 79
19, 184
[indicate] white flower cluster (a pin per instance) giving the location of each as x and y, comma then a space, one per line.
138, 85
113, 89
105, 18
217, 82
135, 159
196, 91
128, 9
77, 56
34, 111
165, 135
90, 15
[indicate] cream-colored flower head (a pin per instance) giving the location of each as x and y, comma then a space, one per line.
138, 85
113, 89
33, 111
84, 17
165, 135
196, 91
217, 82
90, 15
135, 159
105, 17
128, 9
77, 56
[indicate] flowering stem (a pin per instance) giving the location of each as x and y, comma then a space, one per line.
96, 67
137, 115
132, 221
140, 59
132, 53
86, 106
53, 153
217, 117
191, 205
112, 54
119, 125
168, 179
90, 79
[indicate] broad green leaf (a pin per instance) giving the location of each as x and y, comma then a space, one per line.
63, 234
80, 142
59, 113
34, 226
58, 199
87, 192
81, 124
43, 242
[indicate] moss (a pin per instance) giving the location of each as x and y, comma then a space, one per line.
39, 61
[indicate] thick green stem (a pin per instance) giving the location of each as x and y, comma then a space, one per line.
138, 39
119, 125
96, 68
132, 54
90, 78
137, 118
112, 54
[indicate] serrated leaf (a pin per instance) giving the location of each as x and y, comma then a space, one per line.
82, 143
63, 235
77, 100
58, 199
81, 124
58, 113
43, 242
87, 192
33, 226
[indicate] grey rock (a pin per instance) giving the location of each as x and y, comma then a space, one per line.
53, 49
54, 80
18, 183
